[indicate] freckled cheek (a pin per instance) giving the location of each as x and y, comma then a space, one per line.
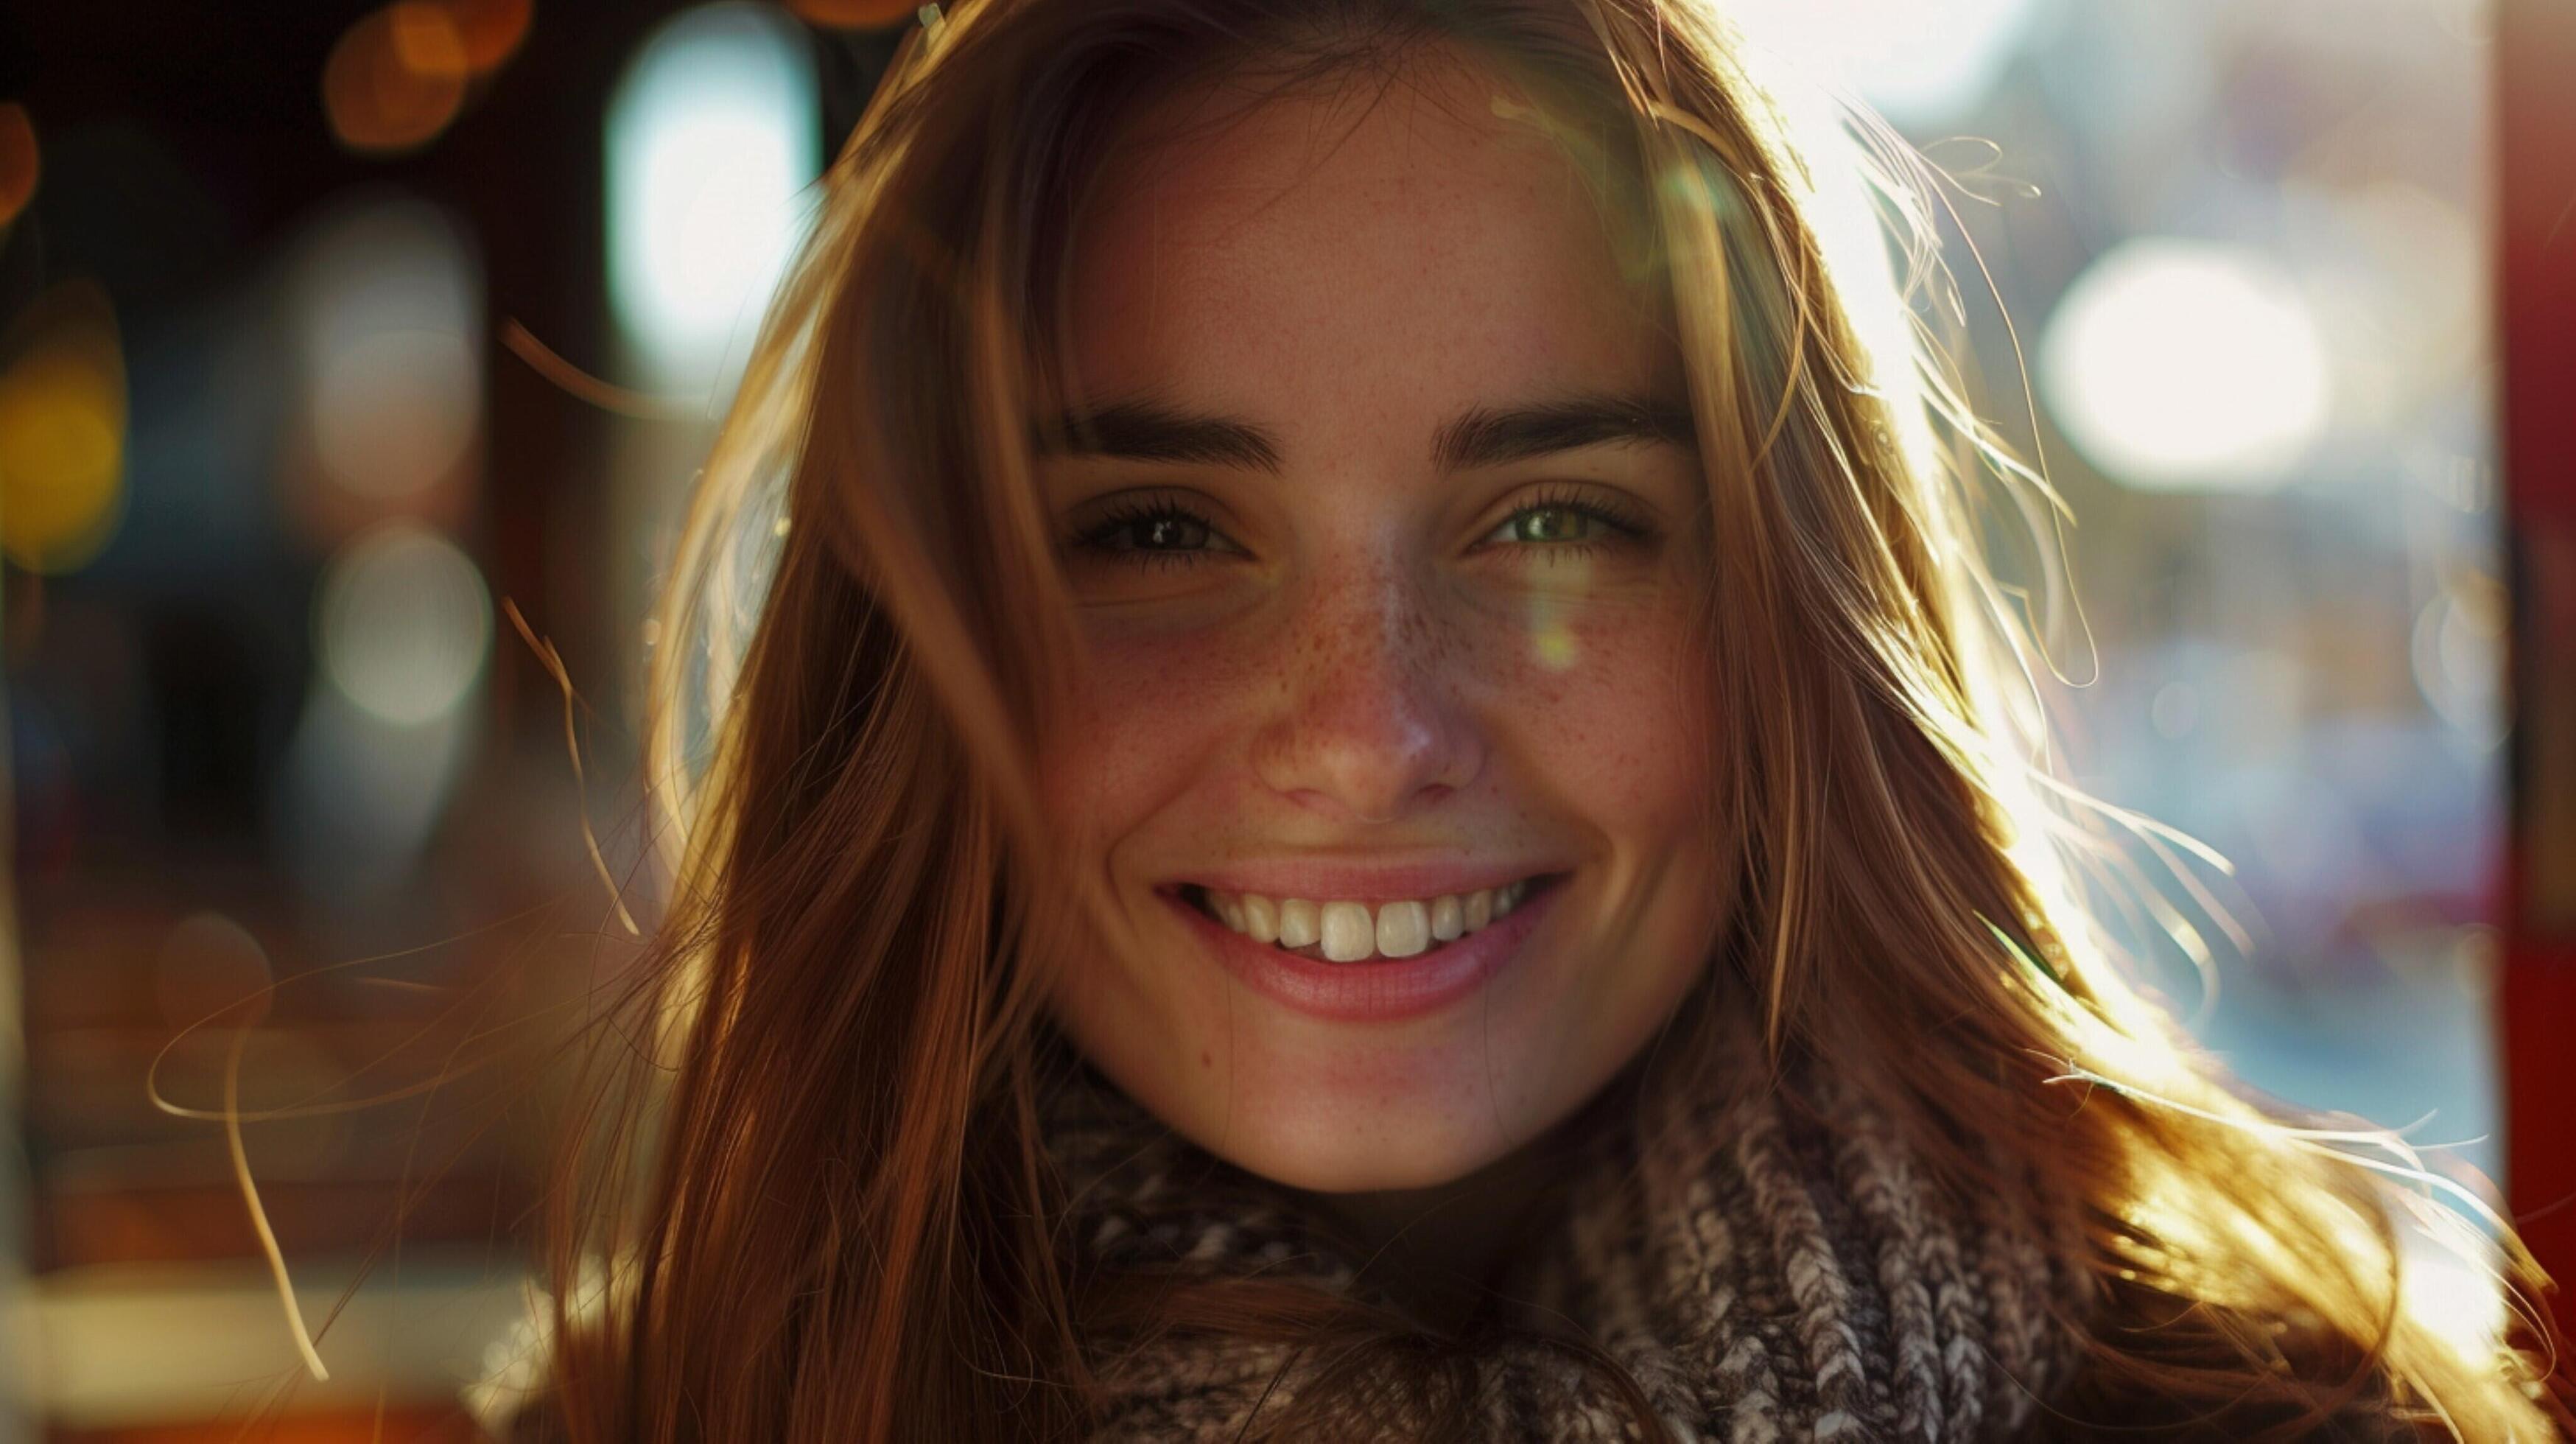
1148, 713
1607, 713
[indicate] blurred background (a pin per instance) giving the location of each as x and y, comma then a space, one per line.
338, 341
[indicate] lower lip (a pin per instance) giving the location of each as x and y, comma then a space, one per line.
1381, 991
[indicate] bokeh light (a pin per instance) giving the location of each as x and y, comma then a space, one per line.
2178, 364
490, 30
388, 323
1916, 63
404, 625
2399, 283
855, 14
267, 731
19, 161
2457, 657
62, 433
396, 78
211, 969
713, 132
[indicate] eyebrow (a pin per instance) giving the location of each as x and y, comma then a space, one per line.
1483, 436
1488, 437
1152, 431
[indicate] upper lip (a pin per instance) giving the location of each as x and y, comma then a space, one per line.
1324, 881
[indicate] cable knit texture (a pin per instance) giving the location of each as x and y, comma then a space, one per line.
1769, 1260
1769, 1264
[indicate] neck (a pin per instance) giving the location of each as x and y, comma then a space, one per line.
1436, 1250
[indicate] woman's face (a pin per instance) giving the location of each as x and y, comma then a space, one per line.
1383, 514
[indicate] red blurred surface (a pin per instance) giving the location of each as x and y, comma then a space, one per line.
2536, 54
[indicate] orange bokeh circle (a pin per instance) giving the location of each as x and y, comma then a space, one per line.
490, 29
855, 14
396, 78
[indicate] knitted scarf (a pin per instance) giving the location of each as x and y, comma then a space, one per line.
1768, 1263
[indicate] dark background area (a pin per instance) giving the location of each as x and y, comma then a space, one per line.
157, 689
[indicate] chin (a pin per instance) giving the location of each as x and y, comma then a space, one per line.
1337, 1116
1320, 1154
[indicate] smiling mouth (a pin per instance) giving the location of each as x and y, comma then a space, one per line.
1353, 932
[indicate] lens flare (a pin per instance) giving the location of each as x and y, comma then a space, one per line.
1551, 639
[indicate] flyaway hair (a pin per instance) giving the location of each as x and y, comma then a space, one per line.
813, 1199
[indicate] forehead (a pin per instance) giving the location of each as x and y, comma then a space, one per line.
1396, 239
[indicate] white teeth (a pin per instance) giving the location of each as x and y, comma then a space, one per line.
1448, 920
1260, 918
1351, 931
1403, 929
1349, 935
1298, 923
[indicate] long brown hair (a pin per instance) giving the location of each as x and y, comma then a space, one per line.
813, 1202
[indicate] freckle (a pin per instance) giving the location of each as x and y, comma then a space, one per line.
1204, 1060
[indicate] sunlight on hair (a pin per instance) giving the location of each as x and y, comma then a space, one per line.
2453, 1290
1822, 327
1916, 63
2450, 1279
514, 1364
552, 660
302, 1336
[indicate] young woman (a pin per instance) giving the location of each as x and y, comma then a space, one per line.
1345, 770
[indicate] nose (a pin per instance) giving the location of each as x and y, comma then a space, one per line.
1368, 728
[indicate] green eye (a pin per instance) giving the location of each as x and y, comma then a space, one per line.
1569, 522
1553, 523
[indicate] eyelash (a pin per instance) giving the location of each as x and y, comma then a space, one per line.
1629, 524
1099, 534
